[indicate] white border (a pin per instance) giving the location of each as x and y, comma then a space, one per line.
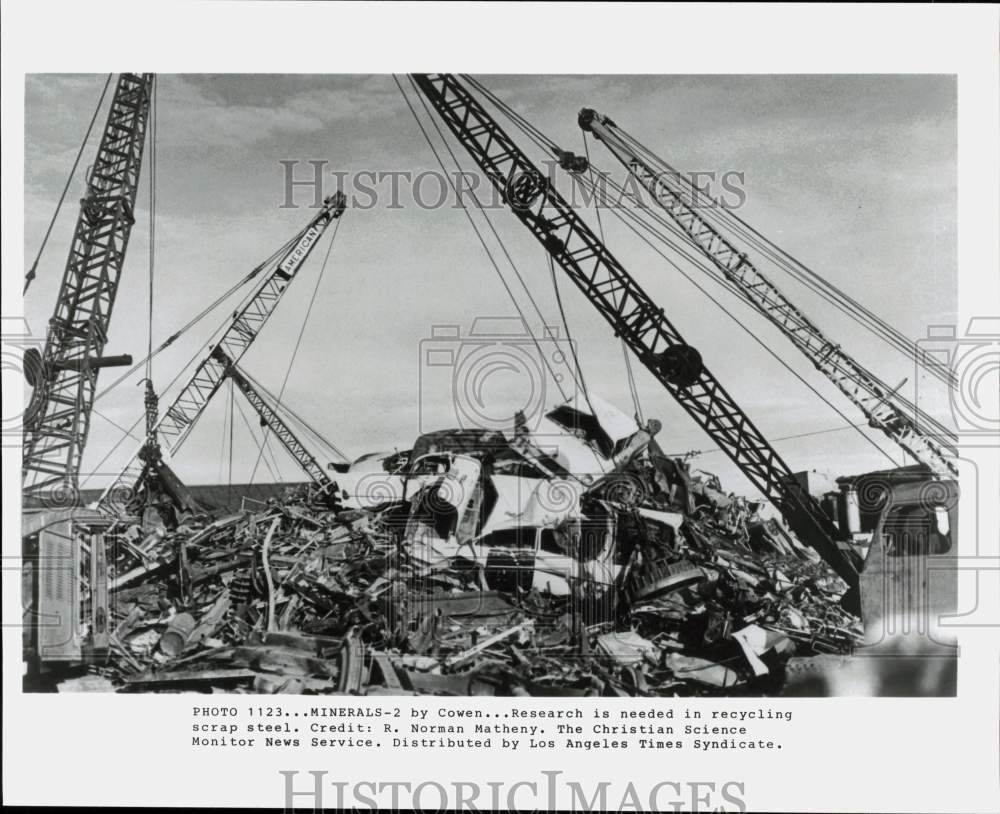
853, 754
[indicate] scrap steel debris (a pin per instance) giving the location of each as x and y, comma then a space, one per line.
570, 558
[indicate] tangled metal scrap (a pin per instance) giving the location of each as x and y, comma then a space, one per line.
299, 597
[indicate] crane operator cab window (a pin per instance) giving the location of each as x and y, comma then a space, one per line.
917, 529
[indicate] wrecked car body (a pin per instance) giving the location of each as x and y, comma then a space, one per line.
571, 557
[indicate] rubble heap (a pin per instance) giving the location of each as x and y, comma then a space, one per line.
644, 580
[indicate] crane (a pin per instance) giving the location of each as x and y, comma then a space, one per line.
630, 312
269, 418
875, 399
64, 374
172, 428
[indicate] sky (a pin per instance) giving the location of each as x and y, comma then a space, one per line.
854, 175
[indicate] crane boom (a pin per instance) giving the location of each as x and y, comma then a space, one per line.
630, 311
269, 417
65, 375
872, 397
189, 404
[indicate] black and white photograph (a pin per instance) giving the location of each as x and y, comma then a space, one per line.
524, 413
334, 501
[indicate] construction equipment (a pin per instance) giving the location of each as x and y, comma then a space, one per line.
907, 520
67, 553
270, 419
65, 586
630, 312
64, 552
175, 424
64, 375
877, 401
87, 540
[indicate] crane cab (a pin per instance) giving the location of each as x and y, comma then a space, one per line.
904, 523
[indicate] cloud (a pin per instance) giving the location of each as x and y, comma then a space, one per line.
192, 116
855, 174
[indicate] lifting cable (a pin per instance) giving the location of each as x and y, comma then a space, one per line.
748, 331
526, 127
630, 375
569, 337
152, 223
479, 234
206, 344
128, 433
275, 475
222, 446
302, 330
683, 245
198, 318
688, 250
270, 461
311, 431
232, 422
212, 338
577, 381
285, 408
274, 459
693, 453
785, 261
757, 339
76, 162
541, 140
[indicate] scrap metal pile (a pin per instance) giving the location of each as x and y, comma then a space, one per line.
480, 565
